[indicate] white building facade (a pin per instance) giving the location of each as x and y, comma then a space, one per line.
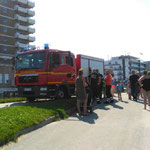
123, 65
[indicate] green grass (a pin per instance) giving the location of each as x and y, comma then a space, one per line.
15, 99
17, 118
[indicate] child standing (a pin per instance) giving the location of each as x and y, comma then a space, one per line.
119, 90
129, 90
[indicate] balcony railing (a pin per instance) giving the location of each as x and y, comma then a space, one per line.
21, 1
31, 21
21, 36
31, 12
25, 2
134, 61
20, 27
32, 46
31, 4
20, 45
31, 30
117, 68
31, 39
20, 9
20, 18
120, 74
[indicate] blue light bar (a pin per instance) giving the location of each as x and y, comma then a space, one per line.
25, 48
46, 46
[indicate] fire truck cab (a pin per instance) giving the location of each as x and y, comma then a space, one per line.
45, 73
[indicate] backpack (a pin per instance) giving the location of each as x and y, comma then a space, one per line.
146, 84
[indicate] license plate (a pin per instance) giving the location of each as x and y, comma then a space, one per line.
27, 89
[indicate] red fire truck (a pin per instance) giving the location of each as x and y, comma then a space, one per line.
50, 73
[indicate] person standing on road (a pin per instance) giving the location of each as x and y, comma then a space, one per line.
100, 86
119, 90
134, 84
93, 80
112, 85
81, 92
144, 82
108, 79
129, 90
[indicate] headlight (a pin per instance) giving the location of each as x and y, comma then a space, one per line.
43, 89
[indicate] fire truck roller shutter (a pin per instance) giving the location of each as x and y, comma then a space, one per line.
85, 66
97, 65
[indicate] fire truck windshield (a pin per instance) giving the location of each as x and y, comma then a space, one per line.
34, 60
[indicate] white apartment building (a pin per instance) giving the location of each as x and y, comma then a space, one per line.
123, 65
16, 32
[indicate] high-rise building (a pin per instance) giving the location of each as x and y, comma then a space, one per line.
15, 33
147, 65
123, 65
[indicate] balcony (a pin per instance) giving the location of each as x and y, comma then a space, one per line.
31, 39
25, 2
30, 4
117, 68
20, 27
31, 30
20, 9
20, 45
134, 66
20, 18
21, 36
120, 74
32, 46
31, 12
134, 61
21, 1
31, 21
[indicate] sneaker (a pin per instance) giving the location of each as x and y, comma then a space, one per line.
111, 100
107, 101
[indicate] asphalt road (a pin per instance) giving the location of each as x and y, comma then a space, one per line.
118, 126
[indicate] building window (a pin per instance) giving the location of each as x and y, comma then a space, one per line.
5, 20
4, 10
4, 38
5, 48
1, 79
4, 1
6, 77
4, 29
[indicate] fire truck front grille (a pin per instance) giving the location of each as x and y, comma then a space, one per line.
28, 79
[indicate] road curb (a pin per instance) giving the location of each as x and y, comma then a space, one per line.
43, 123
34, 127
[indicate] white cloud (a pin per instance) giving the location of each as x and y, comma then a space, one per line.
94, 27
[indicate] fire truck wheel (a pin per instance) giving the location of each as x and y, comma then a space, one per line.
61, 93
30, 99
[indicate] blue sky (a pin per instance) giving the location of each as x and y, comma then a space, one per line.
100, 28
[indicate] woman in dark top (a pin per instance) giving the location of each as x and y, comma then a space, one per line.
81, 92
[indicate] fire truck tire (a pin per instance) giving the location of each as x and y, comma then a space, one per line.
61, 93
30, 99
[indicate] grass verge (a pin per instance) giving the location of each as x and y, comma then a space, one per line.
17, 118
15, 99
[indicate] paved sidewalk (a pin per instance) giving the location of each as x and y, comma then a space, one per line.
118, 126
